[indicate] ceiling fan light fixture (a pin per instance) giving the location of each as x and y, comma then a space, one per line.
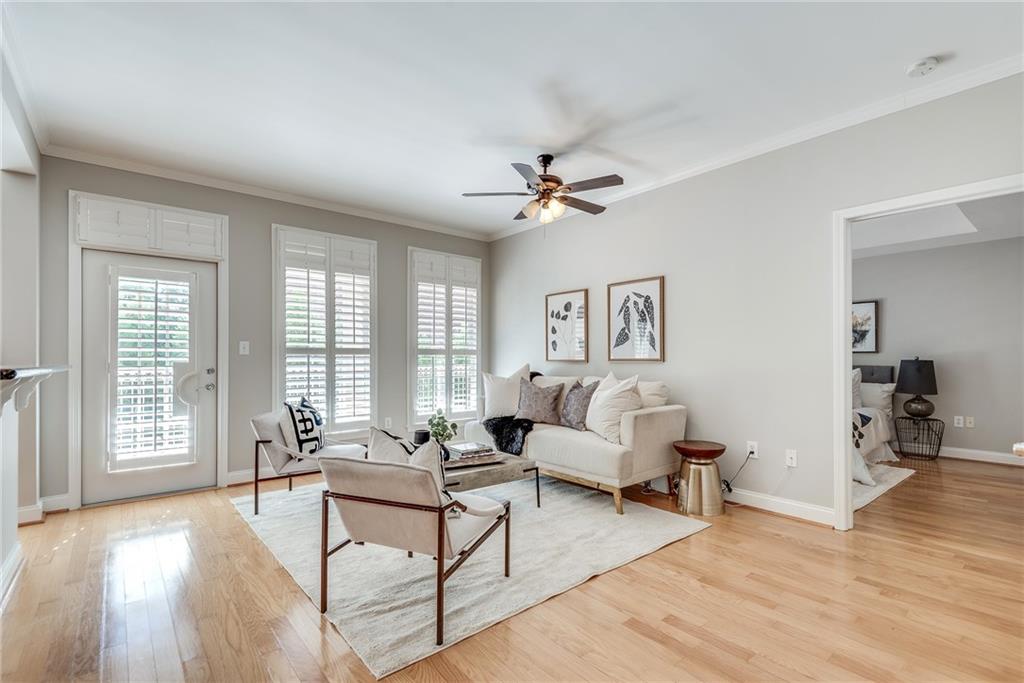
546, 213
556, 206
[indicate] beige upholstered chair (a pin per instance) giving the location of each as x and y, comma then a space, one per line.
284, 461
399, 506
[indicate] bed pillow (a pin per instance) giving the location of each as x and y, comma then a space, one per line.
612, 398
501, 394
878, 396
576, 405
302, 426
552, 380
537, 403
856, 387
860, 468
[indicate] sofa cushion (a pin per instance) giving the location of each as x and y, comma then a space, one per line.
501, 394
610, 401
653, 393
538, 403
552, 380
576, 405
580, 451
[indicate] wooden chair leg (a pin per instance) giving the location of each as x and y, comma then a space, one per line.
410, 553
440, 577
289, 483
617, 495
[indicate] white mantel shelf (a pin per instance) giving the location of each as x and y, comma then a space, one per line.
19, 383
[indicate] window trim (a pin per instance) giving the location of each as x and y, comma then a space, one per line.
278, 331
412, 423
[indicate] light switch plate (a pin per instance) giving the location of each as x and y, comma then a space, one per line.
790, 457
958, 420
969, 422
243, 348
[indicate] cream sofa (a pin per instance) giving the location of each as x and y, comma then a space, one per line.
583, 457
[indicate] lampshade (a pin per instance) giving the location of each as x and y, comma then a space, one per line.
917, 377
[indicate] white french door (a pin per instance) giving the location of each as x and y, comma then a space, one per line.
149, 382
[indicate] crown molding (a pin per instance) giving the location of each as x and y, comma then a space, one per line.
253, 190
912, 98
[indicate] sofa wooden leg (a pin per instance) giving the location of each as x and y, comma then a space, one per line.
617, 495
668, 480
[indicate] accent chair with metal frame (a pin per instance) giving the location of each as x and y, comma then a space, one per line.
285, 461
399, 506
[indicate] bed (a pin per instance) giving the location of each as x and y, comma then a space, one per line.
873, 426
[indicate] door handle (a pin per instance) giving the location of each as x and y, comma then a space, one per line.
181, 381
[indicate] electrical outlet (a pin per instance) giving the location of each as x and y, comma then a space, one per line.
752, 450
790, 457
243, 348
958, 420
969, 422
387, 423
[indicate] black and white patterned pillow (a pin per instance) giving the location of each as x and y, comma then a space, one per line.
303, 427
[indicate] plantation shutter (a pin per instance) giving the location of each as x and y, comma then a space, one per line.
328, 308
445, 304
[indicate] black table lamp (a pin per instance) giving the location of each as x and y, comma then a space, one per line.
917, 377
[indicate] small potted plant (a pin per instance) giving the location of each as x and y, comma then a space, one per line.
442, 430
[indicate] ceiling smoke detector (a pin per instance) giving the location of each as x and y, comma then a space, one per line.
922, 68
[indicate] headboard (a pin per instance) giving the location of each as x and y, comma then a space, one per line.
876, 374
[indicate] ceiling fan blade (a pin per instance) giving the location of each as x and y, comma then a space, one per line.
577, 203
519, 216
527, 172
496, 194
531, 208
592, 183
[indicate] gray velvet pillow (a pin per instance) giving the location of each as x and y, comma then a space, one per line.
539, 404
574, 409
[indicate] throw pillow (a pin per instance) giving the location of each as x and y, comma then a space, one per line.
538, 403
302, 426
610, 401
576, 404
653, 394
878, 396
429, 455
388, 447
856, 382
501, 394
551, 380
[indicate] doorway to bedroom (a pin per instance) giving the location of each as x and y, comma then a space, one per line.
930, 357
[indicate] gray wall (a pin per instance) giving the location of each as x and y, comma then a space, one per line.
962, 307
746, 252
250, 220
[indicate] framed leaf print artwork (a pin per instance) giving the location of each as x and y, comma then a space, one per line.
864, 326
636, 319
566, 315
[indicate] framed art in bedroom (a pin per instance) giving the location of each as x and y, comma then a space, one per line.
566, 319
636, 320
864, 326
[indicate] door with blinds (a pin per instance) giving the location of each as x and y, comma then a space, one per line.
149, 377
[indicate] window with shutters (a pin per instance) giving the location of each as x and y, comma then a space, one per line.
326, 309
444, 305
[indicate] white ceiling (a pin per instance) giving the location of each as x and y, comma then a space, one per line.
981, 220
394, 110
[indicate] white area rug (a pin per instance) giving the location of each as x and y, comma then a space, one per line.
383, 602
885, 478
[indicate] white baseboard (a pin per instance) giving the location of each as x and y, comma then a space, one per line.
61, 501
981, 456
783, 506
9, 572
30, 513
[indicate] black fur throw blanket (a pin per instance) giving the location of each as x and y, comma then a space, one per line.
509, 433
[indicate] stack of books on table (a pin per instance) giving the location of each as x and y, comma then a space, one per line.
469, 453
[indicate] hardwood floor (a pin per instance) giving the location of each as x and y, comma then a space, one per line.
929, 586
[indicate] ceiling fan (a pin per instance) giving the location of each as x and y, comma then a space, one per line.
551, 195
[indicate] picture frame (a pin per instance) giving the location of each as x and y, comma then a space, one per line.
636, 320
566, 326
864, 327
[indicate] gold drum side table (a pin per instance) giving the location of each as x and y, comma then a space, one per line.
700, 484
